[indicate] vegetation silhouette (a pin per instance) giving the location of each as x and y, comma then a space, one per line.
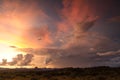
94, 73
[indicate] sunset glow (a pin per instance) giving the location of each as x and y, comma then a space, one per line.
59, 33
7, 53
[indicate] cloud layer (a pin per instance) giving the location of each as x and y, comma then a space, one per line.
67, 41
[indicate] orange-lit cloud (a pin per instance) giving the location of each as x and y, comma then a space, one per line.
74, 12
60, 40
16, 18
38, 36
22, 25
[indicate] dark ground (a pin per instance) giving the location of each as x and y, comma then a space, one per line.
96, 73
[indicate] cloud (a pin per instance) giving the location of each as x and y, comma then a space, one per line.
39, 36
72, 44
13, 62
19, 60
16, 18
13, 46
74, 12
82, 52
4, 62
109, 53
84, 26
47, 61
76, 20
19, 56
114, 19
27, 59
115, 61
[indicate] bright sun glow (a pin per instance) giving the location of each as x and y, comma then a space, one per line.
7, 53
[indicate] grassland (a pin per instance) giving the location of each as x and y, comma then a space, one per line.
96, 73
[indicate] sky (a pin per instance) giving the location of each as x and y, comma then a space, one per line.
59, 33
